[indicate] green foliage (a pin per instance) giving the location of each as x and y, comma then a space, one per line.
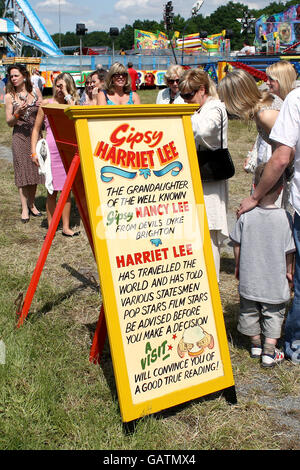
2, 6
275, 7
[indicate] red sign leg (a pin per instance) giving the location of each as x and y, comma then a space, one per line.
99, 339
48, 240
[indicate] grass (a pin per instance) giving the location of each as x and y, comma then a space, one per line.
5, 131
51, 397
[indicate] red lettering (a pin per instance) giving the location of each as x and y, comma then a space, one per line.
142, 257
147, 138
157, 136
167, 151
180, 206
121, 157
182, 250
101, 150
150, 156
150, 138
111, 155
161, 156
131, 159
173, 149
135, 139
114, 136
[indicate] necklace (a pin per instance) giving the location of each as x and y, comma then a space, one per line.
22, 97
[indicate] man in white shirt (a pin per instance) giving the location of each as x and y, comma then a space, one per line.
42, 80
286, 132
36, 80
247, 49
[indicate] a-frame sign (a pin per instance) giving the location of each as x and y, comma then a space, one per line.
140, 196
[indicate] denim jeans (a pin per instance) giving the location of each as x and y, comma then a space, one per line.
292, 326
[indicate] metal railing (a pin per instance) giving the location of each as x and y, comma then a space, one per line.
140, 61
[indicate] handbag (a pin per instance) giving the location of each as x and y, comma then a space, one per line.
216, 165
43, 154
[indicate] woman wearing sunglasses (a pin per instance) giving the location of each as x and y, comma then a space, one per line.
171, 94
117, 88
209, 122
281, 78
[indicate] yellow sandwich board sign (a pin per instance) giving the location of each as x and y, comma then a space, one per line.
153, 252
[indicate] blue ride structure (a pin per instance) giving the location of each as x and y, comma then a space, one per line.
33, 32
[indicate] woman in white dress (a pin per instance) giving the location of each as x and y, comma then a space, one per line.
208, 122
171, 94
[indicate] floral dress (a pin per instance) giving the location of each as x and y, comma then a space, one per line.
26, 172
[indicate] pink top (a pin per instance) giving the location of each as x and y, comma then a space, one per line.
57, 167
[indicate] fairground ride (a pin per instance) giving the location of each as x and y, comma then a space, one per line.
28, 31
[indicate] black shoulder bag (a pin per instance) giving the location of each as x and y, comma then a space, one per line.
215, 165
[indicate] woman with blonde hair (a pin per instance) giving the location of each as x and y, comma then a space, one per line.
171, 94
210, 129
261, 106
65, 92
244, 100
117, 87
281, 78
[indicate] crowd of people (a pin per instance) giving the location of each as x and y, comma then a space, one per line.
266, 236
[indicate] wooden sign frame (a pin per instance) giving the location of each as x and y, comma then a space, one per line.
100, 117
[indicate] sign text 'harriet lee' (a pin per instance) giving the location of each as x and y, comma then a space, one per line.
158, 269
152, 248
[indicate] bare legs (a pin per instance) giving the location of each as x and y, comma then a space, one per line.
27, 197
268, 341
50, 207
216, 250
31, 199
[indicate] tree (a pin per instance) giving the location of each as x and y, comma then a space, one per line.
179, 23
273, 8
225, 18
2, 7
96, 38
126, 37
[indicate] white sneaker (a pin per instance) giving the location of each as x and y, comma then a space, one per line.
270, 361
255, 351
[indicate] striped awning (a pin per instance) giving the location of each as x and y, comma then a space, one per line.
8, 27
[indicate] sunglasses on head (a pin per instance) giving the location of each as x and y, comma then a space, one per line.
188, 96
171, 80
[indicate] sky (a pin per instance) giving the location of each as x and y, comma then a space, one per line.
100, 15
